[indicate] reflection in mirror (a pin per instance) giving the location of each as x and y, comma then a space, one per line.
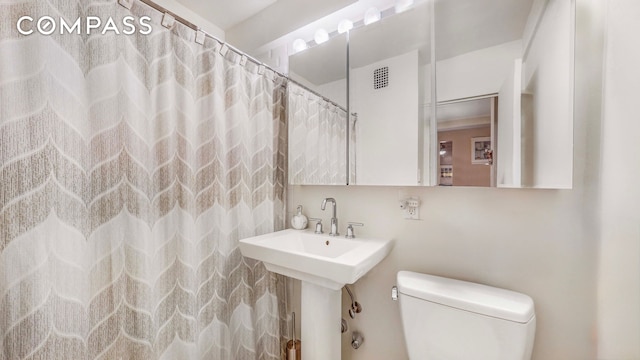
446, 163
317, 139
389, 91
547, 97
317, 114
323, 69
520, 51
467, 125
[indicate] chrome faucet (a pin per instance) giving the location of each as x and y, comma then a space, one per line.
334, 219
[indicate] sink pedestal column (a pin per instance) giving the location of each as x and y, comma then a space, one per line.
320, 322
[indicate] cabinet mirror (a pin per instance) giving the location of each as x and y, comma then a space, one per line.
444, 93
504, 75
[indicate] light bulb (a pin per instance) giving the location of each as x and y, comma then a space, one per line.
299, 45
321, 36
344, 26
372, 15
403, 5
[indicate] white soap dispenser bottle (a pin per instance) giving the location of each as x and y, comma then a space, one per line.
299, 221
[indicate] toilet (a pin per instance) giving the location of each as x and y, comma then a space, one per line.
447, 319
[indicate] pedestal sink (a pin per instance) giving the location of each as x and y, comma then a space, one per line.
324, 264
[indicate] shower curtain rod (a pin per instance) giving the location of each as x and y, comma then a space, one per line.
236, 50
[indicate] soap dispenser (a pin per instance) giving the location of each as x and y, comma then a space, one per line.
299, 221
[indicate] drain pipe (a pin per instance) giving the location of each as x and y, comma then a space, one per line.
356, 340
356, 308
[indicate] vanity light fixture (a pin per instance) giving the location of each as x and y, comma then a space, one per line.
321, 36
371, 15
403, 5
344, 26
299, 45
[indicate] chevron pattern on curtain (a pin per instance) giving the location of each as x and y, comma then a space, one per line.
130, 166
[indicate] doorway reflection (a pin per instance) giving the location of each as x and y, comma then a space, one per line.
446, 163
466, 130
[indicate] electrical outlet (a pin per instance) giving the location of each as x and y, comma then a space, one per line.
413, 202
411, 208
412, 213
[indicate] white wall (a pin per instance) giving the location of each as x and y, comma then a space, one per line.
387, 129
548, 76
539, 242
524, 240
476, 73
619, 271
509, 160
336, 91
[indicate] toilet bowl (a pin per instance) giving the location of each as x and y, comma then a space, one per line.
457, 320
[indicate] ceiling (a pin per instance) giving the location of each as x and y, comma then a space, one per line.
462, 26
463, 110
321, 64
226, 13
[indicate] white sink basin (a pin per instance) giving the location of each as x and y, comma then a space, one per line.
328, 261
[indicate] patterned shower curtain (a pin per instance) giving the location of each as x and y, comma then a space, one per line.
318, 130
130, 166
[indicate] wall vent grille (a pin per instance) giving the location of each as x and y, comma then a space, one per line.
381, 78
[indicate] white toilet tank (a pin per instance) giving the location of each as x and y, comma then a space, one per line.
458, 320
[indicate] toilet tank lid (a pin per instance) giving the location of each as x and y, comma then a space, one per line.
477, 298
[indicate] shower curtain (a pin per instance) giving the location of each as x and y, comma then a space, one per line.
130, 166
318, 130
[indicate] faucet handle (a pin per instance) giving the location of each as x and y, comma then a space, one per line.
350, 233
318, 225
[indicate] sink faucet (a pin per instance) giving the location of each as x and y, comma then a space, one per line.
334, 219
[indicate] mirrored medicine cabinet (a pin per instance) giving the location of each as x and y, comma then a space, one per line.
500, 73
